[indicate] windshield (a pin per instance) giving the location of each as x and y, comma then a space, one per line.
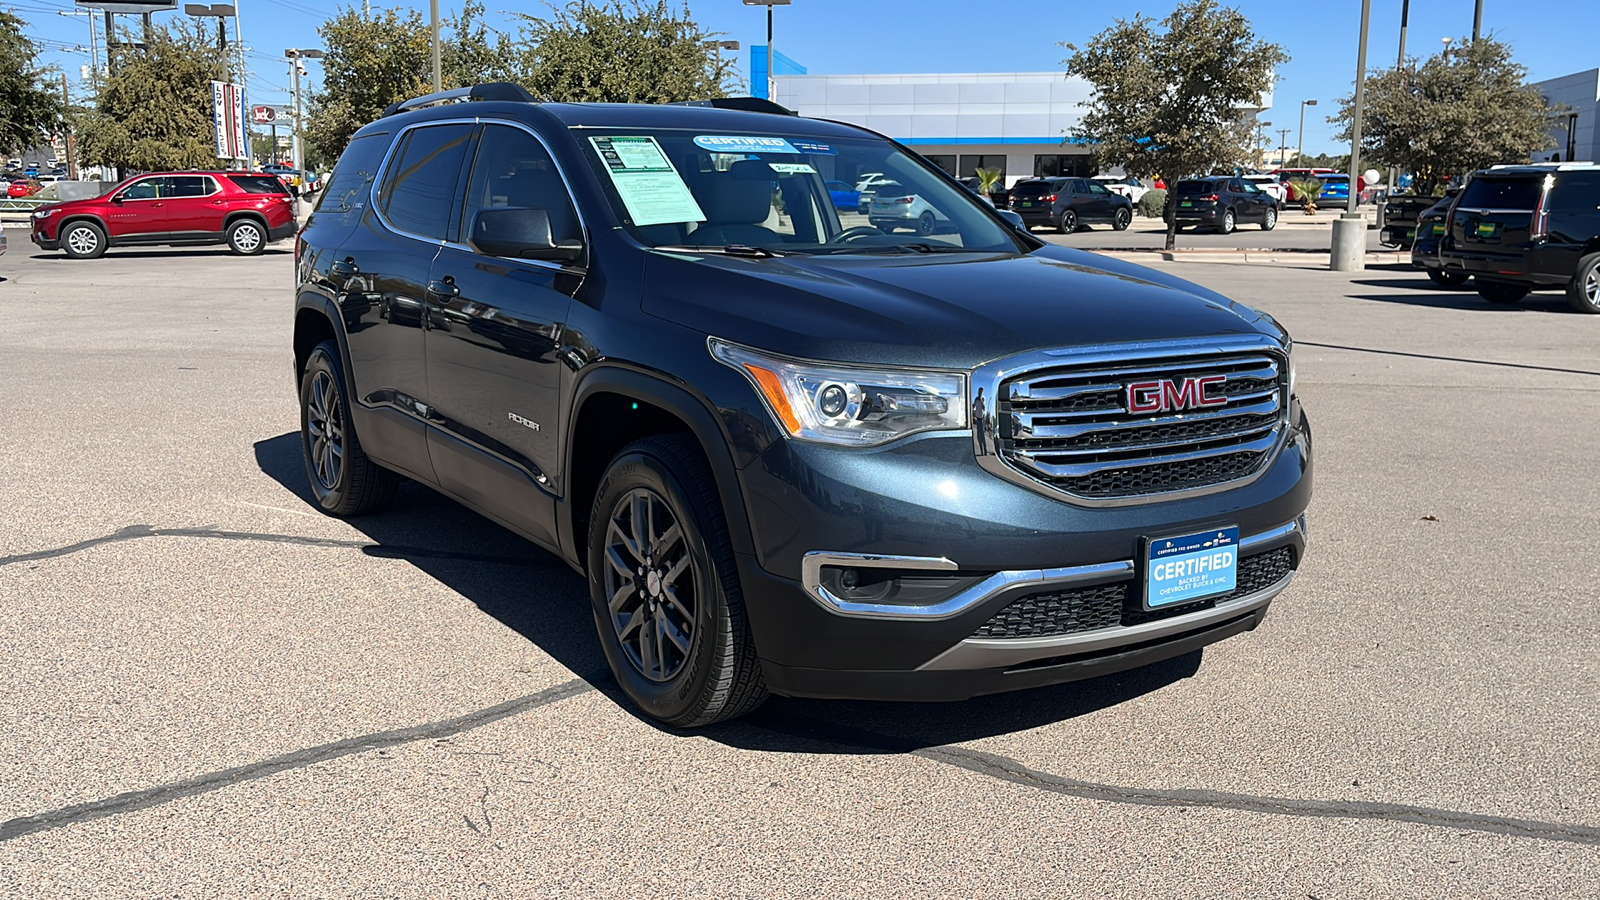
694, 188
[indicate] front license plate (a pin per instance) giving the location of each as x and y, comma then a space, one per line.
1191, 567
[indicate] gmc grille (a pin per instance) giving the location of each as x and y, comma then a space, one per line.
1069, 427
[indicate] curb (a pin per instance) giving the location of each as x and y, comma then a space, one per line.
1317, 258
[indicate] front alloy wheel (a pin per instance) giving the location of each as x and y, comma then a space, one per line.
650, 580
1583, 293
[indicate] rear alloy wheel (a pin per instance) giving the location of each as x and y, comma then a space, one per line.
1068, 223
665, 587
1446, 278
83, 240
1584, 290
1270, 220
1228, 222
1122, 219
343, 480
246, 237
926, 223
1500, 292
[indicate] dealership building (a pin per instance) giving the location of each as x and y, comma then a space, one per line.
1020, 122
1576, 135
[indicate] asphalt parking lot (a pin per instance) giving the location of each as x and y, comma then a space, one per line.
210, 689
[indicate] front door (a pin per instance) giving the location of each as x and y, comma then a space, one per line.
139, 210
381, 276
495, 332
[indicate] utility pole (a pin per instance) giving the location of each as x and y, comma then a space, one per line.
1400, 63
433, 12
295, 55
72, 159
1349, 251
1283, 148
1477, 22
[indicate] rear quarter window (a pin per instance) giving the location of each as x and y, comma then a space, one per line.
349, 192
1576, 192
259, 184
1502, 193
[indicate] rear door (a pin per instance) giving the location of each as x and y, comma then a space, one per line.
1573, 223
194, 206
1493, 217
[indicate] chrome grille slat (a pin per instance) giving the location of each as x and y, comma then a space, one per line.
1024, 429
1068, 427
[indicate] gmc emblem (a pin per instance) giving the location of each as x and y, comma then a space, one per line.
1171, 396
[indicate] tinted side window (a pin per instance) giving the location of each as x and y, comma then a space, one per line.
1576, 192
262, 184
187, 186
420, 184
148, 189
350, 189
513, 171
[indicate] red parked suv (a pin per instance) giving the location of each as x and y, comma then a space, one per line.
245, 210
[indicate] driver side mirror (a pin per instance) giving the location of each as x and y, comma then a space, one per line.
521, 234
117, 199
1013, 219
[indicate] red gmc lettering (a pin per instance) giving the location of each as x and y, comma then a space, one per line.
1146, 397
1165, 396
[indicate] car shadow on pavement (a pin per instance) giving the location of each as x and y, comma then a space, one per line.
1422, 292
537, 595
119, 253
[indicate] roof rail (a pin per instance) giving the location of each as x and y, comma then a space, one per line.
747, 104
498, 90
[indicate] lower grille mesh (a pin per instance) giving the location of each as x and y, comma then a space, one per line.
1108, 605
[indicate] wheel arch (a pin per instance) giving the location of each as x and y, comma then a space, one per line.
314, 322
74, 218
236, 215
614, 406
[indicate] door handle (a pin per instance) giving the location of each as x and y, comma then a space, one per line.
443, 290
344, 268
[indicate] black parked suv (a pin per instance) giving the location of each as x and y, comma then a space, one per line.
1069, 204
1430, 228
1223, 203
790, 456
1518, 228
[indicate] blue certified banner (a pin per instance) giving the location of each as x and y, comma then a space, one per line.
814, 148
744, 143
1192, 567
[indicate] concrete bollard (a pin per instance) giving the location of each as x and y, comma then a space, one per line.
1349, 243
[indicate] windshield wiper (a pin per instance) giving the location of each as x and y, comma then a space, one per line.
741, 250
902, 248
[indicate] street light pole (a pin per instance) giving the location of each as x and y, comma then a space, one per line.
1302, 149
772, 55
433, 12
1400, 63
1477, 21
1350, 230
295, 55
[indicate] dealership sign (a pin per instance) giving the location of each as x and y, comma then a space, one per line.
227, 111
131, 6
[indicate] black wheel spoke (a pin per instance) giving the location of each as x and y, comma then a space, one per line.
672, 597
649, 595
671, 576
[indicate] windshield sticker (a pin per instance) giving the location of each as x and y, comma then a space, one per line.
814, 148
648, 183
743, 143
791, 168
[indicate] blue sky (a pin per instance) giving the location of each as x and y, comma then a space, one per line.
862, 36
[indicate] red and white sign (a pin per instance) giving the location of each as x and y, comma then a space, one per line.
227, 109
264, 115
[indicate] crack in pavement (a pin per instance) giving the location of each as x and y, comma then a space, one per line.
1457, 359
386, 551
299, 759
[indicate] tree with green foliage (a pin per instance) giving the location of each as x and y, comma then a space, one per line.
374, 62
1167, 99
30, 110
620, 52
1458, 111
154, 111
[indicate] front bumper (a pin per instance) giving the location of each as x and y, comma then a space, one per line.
928, 500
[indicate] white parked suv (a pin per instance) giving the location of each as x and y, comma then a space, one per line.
893, 207
1270, 185
1126, 185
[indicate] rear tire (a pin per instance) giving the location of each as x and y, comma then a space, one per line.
1067, 223
926, 223
665, 592
343, 479
1228, 222
247, 237
1583, 292
1500, 292
83, 240
1444, 278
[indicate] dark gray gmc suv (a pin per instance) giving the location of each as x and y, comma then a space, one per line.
791, 452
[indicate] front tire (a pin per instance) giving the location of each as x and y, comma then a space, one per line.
83, 240
246, 237
665, 587
1583, 292
1445, 278
1122, 219
343, 479
1269, 221
1500, 292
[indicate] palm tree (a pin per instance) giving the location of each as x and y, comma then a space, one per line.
1306, 191
988, 179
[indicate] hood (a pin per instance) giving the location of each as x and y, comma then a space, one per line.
954, 311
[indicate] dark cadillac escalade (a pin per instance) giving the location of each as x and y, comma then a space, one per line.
792, 453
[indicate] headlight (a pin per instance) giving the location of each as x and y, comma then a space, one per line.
858, 407
43, 213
